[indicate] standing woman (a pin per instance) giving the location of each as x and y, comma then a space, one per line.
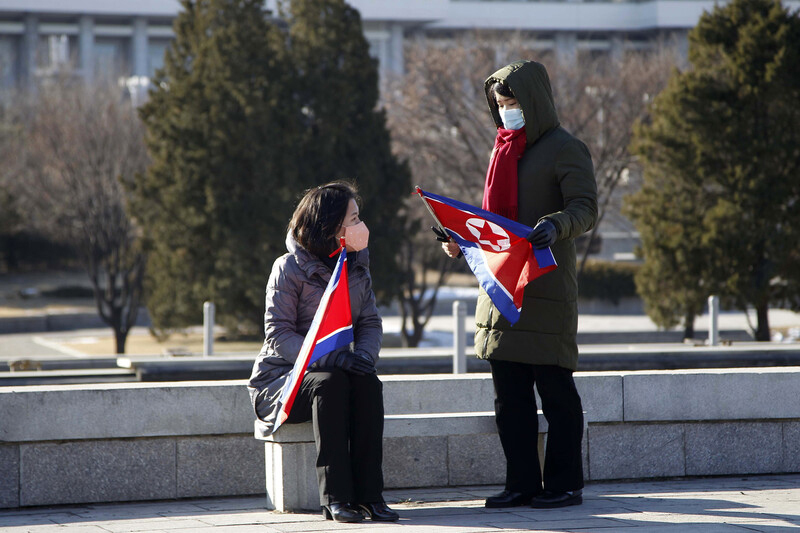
542, 176
341, 393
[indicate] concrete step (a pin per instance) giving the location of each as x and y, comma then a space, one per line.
61, 377
619, 357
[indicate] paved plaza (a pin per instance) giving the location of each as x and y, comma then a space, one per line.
729, 504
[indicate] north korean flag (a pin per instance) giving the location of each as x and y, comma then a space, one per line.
495, 248
331, 329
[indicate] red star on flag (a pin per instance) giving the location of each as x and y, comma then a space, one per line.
488, 235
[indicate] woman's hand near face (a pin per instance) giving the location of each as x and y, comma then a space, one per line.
451, 249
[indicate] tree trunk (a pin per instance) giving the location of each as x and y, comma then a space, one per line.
414, 338
688, 326
410, 311
120, 337
10, 254
585, 254
410, 339
762, 329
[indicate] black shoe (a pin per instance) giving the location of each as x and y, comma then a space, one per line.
550, 500
341, 512
379, 512
508, 498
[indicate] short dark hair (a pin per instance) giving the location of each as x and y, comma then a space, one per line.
320, 213
502, 88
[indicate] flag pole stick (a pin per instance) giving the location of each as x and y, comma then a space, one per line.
430, 210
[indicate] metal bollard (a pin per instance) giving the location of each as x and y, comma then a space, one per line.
208, 328
713, 320
459, 338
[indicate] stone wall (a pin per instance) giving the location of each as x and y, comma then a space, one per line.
141, 441
131, 441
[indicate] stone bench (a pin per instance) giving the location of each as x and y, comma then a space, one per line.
112, 442
419, 450
423, 446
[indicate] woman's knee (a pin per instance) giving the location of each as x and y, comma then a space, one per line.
337, 381
331, 381
367, 385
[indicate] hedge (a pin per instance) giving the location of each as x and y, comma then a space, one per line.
607, 280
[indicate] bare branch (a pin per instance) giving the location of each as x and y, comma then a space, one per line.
80, 141
439, 120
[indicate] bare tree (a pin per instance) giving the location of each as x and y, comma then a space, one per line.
10, 221
79, 143
424, 270
599, 101
440, 127
438, 116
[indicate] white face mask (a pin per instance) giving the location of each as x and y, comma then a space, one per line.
512, 118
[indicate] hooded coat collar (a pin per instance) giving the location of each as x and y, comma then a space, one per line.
529, 82
313, 265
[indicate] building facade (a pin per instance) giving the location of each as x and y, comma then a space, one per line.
86, 38
123, 39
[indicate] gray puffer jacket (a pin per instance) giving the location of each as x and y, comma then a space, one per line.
294, 290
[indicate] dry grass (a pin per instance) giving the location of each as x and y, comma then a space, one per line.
45, 306
190, 343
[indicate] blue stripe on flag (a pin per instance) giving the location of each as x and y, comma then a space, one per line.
309, 354
521, 230
544, 257
499, 296
338, 339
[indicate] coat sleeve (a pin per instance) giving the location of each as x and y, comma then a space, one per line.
368, 329
575, 175
280, 314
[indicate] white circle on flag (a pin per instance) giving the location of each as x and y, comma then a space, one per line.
489, 234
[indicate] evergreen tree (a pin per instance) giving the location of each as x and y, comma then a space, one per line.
245, 115
344, 135
215, 201
722, 148
672, 281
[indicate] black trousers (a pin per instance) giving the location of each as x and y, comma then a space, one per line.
347, 414
518, 426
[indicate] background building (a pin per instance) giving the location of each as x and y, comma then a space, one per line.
92, 38
86, 38
125, 41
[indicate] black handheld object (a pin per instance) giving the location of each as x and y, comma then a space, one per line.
440, 234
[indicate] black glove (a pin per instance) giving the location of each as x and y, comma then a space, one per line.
354, 363
543, 235
440, 235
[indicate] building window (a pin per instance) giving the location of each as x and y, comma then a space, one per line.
593, 56
155, 54
56, 53
8, 62
112, 57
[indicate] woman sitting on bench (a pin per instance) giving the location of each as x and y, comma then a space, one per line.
341, 393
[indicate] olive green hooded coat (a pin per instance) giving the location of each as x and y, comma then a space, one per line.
556, 181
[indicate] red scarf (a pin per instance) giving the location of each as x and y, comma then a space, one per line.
500, 192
